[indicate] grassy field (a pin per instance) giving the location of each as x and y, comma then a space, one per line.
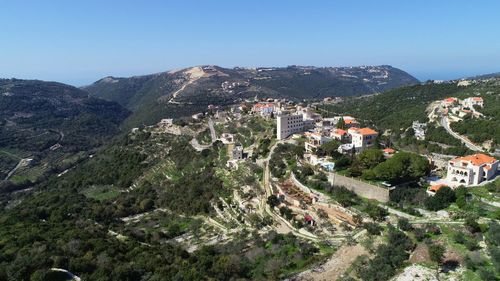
101, 193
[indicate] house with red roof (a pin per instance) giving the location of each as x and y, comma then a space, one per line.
472, 169
339, 134
434, 188
362, 138
388, 152
472, 101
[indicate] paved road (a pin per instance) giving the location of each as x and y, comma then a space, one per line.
212, 130
446, 124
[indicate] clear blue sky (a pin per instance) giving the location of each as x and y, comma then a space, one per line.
78, 42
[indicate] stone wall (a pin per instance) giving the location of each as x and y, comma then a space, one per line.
361, 188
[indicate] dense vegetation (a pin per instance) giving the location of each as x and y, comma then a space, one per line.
482, 129
396, 109
51, 123
70, 221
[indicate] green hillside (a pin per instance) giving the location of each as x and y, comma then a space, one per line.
48, 120
149, 96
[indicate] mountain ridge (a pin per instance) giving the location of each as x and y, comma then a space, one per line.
185, 91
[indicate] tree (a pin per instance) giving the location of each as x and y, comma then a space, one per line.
329, 149
375, 212
273, 201
436, 253
369, 158
341, 124
442, 199
403, 166
404, 224
461, 195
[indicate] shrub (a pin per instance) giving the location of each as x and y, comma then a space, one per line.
404, 224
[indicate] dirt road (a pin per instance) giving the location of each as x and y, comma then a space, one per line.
335, 266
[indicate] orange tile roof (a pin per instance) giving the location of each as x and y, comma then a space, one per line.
340, 131
477, 159
450, 99
350, 121
389, 150
477, 98
263, 105
367, 131
436, 187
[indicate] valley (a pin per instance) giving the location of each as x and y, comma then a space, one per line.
227, 185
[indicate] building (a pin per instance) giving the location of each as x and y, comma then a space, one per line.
472, 101
362, 138
419, 129
237, 152
449, 102
471, 169
264, 109
463, 83
339, 134
350, 122
434, 188
388, 152
346, 148
227, 138
289, 124
166, 122
315, 140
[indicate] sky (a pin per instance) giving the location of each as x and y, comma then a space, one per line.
79, 42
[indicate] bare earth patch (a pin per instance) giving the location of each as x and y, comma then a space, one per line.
335, 266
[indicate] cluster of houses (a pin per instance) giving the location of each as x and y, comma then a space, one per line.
461, 108
319, 131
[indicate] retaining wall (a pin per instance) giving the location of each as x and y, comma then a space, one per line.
361, 188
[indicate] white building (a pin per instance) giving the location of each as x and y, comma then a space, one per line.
471, 170
419, 129
470, 102
289, 124
315, 140
362, 138
264, 109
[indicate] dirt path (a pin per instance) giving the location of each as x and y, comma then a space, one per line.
23, 162
194, 73
335, 266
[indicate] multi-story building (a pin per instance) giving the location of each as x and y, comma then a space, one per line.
362, 138
471, 169
315, 140
288, 124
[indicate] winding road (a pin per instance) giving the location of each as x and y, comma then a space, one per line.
446, 125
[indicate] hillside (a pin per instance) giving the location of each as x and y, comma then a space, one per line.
45, 122
183, 92
396, 109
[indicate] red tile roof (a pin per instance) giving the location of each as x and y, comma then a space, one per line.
340, 131
367, 131
436, 187
476, 159
389, 150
